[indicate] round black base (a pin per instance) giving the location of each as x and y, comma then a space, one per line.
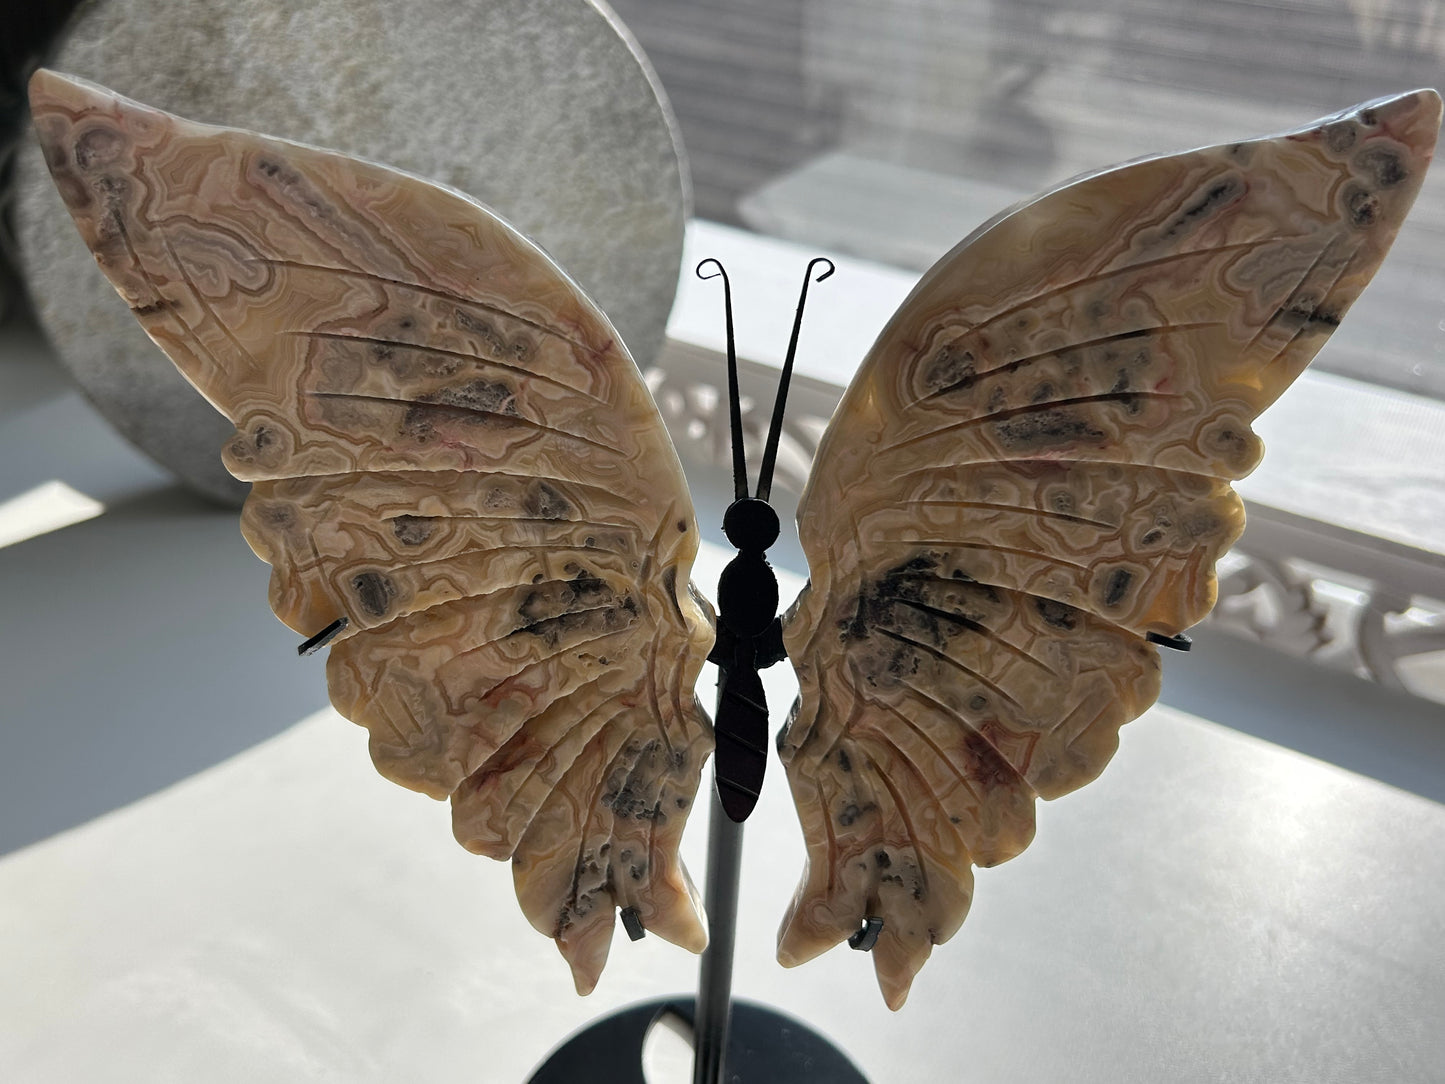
764, 1046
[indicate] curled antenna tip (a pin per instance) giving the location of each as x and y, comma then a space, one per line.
735, 413
775, 428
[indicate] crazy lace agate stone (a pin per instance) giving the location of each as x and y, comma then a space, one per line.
1028, 476
1028, 479
450, 449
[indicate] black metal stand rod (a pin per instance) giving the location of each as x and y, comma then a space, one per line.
767, 1047
715, 979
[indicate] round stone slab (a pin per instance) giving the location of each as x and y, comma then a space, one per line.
548, 113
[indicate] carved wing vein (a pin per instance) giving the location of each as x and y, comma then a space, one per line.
1010, 367
941, 472
949, 660
1142, 265
458, 408
506, 751
441, 351
445, 295
900, 809
1125, 398
1268, 325
975, 626
1344, 269
943, 758
953, 543
1042, 513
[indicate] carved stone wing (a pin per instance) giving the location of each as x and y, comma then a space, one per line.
450, 449
1030, 473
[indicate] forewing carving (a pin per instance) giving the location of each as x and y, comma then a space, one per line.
1031, 472
450, 448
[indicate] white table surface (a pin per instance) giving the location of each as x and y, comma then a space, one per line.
1215, 908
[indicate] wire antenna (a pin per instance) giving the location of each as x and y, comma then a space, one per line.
735, 410
775, 427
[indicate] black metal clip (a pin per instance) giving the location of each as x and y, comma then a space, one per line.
1176, 643
322, 638
632, 923
866, 935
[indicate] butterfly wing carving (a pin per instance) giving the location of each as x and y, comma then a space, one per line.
450, 448
1029, 474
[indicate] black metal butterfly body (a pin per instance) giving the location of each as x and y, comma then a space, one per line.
749, 631
749, 639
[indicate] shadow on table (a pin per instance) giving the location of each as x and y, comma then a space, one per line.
1335, 717
135, 649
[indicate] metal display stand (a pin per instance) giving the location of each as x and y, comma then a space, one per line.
733, 1042
743, 1043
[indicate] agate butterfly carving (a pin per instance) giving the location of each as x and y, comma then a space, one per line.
451, 452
